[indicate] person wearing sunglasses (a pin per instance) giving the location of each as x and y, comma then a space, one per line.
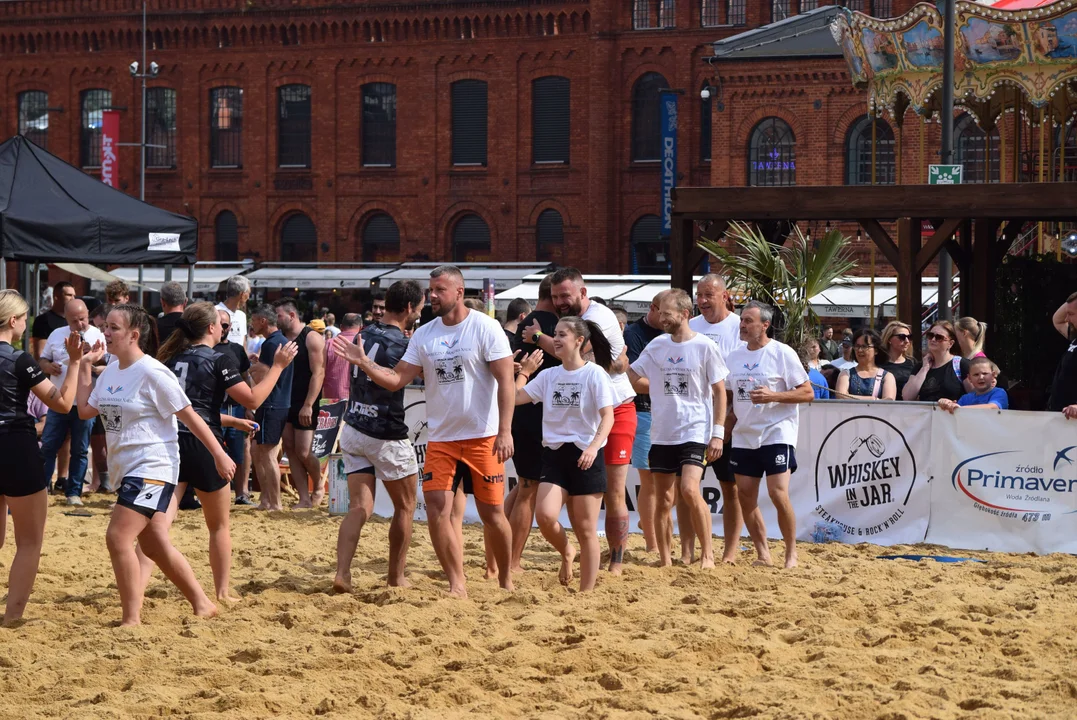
867, 380
942, 375
898, 360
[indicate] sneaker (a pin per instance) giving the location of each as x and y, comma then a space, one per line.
60, 486
244, 500
74, 500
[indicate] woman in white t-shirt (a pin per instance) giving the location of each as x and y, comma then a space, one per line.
577, 416
139, 400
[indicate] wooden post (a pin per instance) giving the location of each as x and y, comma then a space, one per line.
923, 167
680, 254
910, 299
966, 269
982, 298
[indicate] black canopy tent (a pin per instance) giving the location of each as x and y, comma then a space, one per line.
51, 211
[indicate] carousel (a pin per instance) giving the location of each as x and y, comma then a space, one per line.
1015, 77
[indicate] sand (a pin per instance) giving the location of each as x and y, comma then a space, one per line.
844, 636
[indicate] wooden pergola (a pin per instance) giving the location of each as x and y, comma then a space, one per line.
989, 218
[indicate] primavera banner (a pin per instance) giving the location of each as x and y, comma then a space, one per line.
1005, 481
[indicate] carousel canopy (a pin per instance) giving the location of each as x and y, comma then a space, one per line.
1008, 47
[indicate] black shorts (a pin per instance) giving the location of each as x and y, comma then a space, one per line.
98, 426
767, 460
197, 468
145, 497
669, 459
560, 467
527, 440
721, 467
270, 424
22, 472
293, 417
462, 477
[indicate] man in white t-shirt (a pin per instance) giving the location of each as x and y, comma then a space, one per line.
54, 362
467, 365
719, 323
767, 382
570, 299
237, 290
684, 375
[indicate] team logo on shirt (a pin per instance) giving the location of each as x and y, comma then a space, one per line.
751, 367
449, 370
671, 361
567, 394
114, 390
449, 345
675, 382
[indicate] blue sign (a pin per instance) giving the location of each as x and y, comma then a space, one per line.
669, 159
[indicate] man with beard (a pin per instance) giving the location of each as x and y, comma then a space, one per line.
374, 439
570, 299
685, 377
302, 421
470, 394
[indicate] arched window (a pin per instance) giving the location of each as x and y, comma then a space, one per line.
550, 237
226, 127
858, 153
772, 154
646, 117
226, 236
161, 127
550, 120
650, 252
34, 117
471, 240
293, 126
706, 107
381, 239
971, 151
298, 240
93, 103
379, 125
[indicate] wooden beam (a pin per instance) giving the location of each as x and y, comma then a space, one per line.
680, 252
958, 254
943, 233
910, 296
1036, 201
882, 240
982, 302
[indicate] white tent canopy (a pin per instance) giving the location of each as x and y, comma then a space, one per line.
504, 275
270, 278
206, 279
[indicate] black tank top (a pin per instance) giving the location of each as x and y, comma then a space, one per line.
205, 375
373, 410
301, 378
18, 373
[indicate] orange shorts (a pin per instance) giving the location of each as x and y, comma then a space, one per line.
618, 450
488, 475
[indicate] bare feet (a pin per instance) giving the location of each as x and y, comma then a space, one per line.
131, 622
301, 506
209, 611
491, 573
706, 563
762, 563
616, 568
460, 592
228, 598
565, 575
687, 559
343, 584
400, 582
317, 498
791, 560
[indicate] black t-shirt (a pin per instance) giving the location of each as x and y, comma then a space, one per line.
18, 373
902, 372
1064, 385
302, 375
238, 353
527, 418
166, 324
45, 323
373, 410
637, 337
281, 394
205, 374
942, 382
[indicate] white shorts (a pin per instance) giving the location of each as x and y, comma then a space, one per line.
387, 460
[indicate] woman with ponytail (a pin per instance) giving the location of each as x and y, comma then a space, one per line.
139, 400
22, 475
207, 375
577, 415
971, 334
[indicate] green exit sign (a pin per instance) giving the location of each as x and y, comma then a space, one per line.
944, 174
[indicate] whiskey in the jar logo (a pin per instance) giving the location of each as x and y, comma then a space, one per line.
864, 476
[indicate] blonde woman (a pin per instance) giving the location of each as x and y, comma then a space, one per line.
22, 475
971, 334
898, 359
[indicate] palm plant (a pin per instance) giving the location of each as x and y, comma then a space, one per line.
785, 276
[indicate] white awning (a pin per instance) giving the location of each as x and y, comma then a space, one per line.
315, 278
504, 276
92, 272
206, 279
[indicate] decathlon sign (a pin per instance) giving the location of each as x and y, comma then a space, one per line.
669, 159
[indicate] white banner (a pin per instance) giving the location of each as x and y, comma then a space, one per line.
1005, 481
867, 465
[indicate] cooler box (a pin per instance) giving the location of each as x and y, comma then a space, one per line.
338, 486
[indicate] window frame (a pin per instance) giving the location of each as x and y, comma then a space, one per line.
375, 131
460, 249
559, 255
544, 87
368, 249
463, 110
281, 243
217, 244
639, 143
41, 109
301, 154
159, 101
226, 141
859, 157
755, 146
736, 12
89, 136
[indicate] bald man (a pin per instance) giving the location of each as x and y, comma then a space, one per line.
54, 362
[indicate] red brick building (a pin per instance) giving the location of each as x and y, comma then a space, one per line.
386, 130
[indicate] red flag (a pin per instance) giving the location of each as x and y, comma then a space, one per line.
110, 143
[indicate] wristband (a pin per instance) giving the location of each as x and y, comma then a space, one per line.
536, 336
718, 431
